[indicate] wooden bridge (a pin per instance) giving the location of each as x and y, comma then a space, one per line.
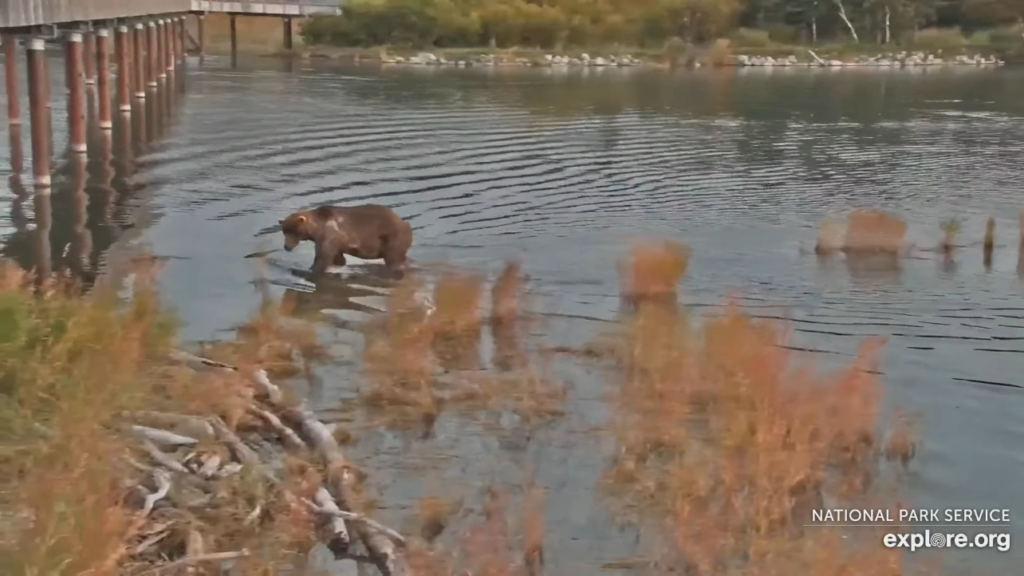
145, 38
35, 13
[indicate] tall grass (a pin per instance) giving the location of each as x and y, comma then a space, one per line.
67, 367
731, 439
725, 439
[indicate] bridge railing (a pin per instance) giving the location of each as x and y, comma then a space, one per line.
269, 7
16, 13
24, 13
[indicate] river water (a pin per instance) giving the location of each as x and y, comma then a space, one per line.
562, 169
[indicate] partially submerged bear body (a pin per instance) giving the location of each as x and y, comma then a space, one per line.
369, 231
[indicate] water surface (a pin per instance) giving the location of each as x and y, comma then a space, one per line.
563, 169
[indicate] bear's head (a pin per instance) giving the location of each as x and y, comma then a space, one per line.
297, 227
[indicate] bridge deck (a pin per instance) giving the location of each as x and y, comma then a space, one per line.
27, 13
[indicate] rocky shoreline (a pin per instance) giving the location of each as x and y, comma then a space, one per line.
895, 60
904, 59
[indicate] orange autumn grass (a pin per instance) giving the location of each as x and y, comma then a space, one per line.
731, 439
417, 360
724, 438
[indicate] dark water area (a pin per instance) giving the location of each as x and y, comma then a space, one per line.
563, 170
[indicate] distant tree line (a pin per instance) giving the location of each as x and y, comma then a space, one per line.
560, 23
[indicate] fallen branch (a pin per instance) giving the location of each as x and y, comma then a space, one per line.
192, 426
333, 510
163, 458
816, 58
191, 560
338, 540
292, 441
162, 437
163, 486
299, 428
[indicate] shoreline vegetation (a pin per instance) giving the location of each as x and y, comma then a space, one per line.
669, 33
124, 454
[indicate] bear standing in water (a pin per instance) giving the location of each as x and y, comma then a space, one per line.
369, 232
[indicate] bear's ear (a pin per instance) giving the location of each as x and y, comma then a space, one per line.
280, 222
301, 219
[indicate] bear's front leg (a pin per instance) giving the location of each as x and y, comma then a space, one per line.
326, 254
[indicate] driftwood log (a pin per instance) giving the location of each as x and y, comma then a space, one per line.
297, 429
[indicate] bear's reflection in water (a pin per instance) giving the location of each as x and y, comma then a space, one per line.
362, 290
457, 328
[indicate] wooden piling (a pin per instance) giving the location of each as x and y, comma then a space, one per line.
76, 92
121, 47
139, 140
990, 242
81, 239
201, 32
168, 36
161, 49
154, 116
139, 56
232, 20
124, 166
103, 77
180, 41
11, 75
17, 150
152, 53
101, 193
38, 112
48, 98
288, 43
41, 242
88, 57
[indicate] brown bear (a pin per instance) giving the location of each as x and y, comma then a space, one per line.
369, 231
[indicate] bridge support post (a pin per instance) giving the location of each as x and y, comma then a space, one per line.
234, 39
44, 221
124, 97
139, 59
201, 32
169, 47
180, 35
123, 139
161, 50
38, 112
77, 262
88, 57
103, 77
76, 92
288, 43
152, 55
11, 76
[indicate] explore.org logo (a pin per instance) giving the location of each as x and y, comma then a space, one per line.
928, 539
934, 528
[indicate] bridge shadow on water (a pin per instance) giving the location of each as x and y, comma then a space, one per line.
98, 200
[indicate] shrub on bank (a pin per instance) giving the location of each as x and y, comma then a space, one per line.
555, 24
